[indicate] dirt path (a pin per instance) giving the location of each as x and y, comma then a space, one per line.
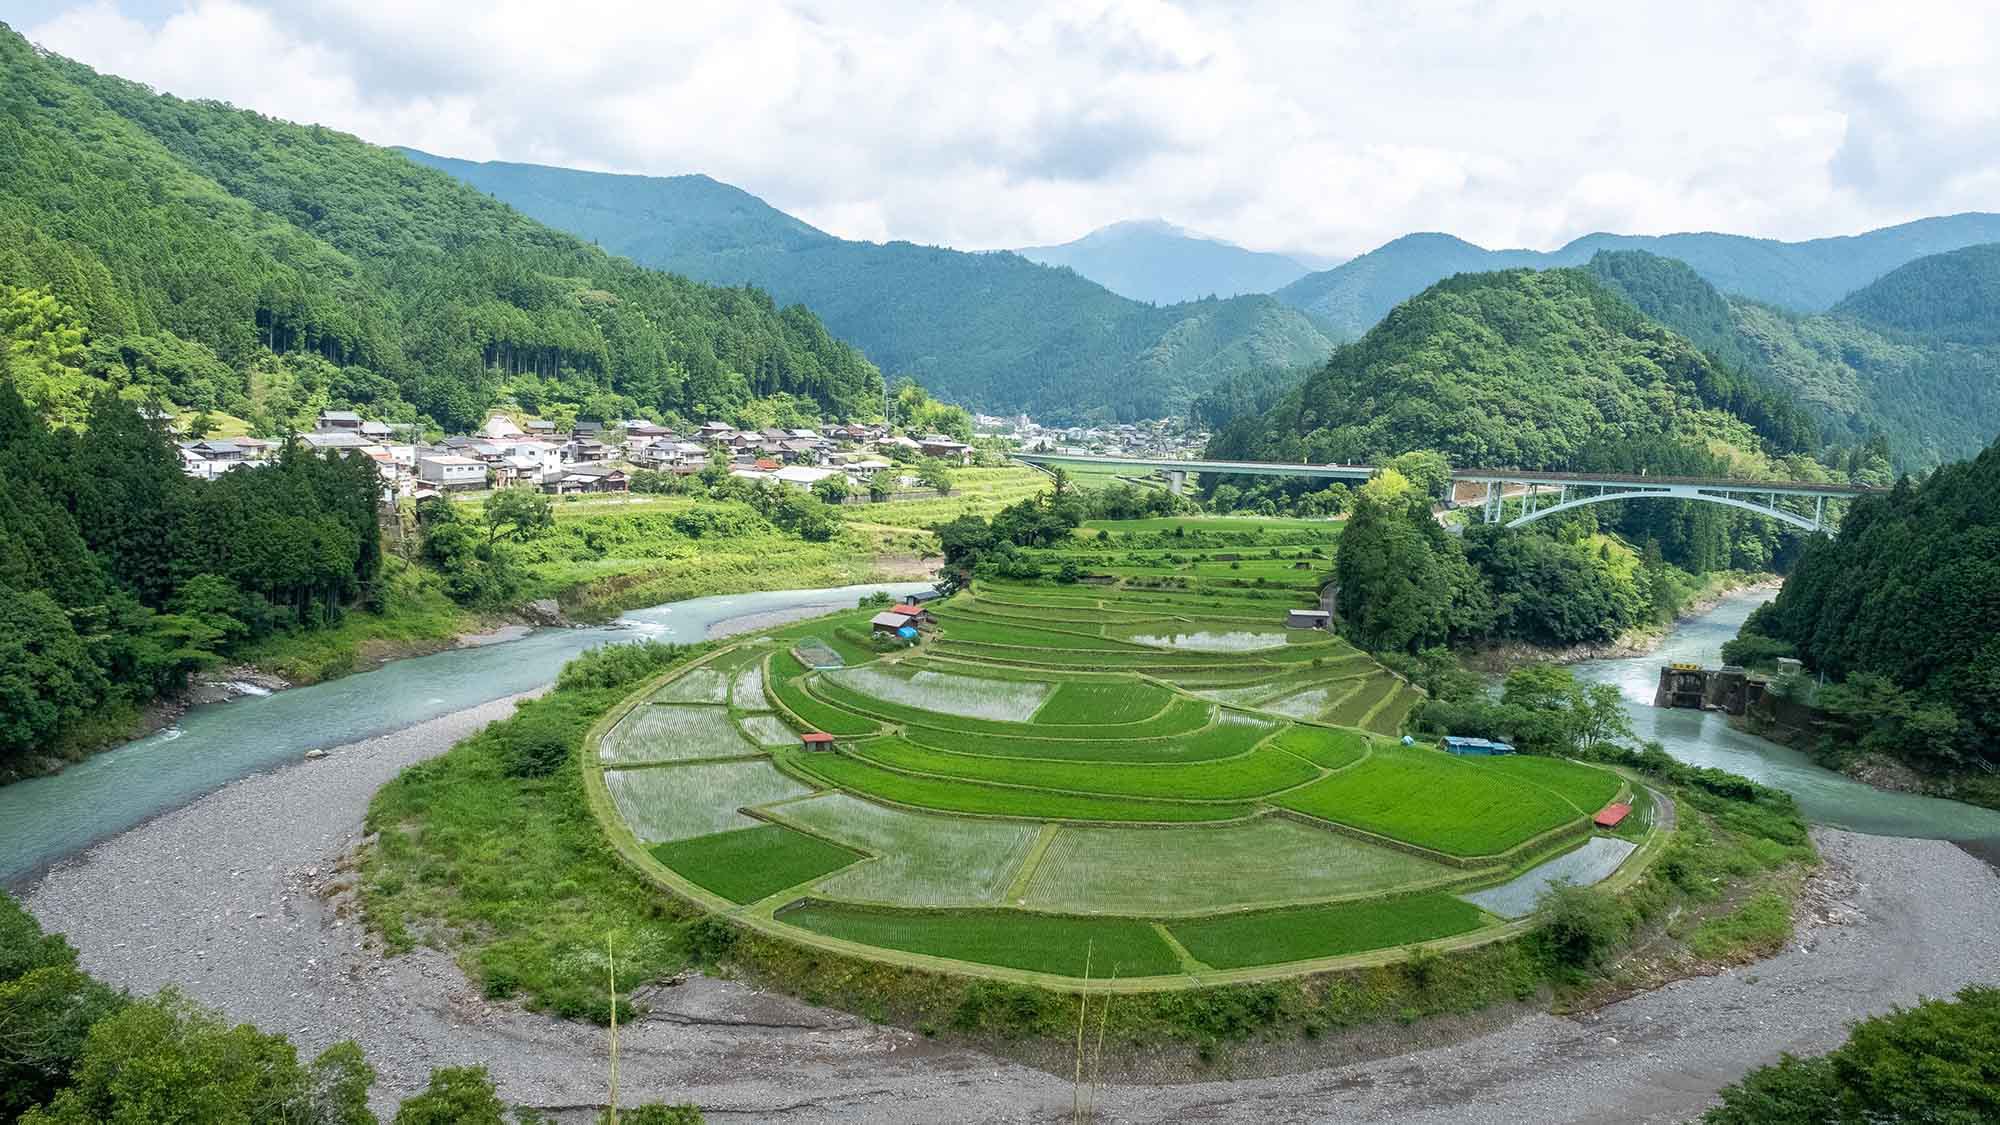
222, 898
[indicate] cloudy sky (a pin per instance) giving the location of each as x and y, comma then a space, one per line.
1326, 127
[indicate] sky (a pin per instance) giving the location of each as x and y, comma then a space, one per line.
1322, 128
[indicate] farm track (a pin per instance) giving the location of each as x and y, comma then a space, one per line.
224, 898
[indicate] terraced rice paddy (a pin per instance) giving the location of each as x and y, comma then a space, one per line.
1097, 765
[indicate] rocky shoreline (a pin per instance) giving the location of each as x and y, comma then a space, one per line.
244, 899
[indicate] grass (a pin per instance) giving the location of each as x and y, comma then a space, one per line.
953, 795
1234, 941
1241, 778
664, 803
962, 626
1037, 942
1757, 928
920, 859
1264, 861
1428, 798
748, 864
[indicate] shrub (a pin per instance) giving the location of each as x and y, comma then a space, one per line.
1010, 1009
656, 1114
1579, 925
457, 1095
612, 666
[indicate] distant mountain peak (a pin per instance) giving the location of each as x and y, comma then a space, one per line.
1165, 263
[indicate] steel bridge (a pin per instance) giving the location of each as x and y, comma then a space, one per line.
1540, 494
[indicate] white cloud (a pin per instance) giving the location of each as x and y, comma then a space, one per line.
1326, 127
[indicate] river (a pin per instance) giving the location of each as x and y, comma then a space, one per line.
45, 819
1706, 738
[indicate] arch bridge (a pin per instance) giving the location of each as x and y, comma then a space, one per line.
1800, 504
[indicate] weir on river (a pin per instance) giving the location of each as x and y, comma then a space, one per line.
46, 819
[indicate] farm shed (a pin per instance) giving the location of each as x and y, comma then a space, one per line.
816, 740
1474, 747
1307, 619
1611, 816
917, 614
889, 621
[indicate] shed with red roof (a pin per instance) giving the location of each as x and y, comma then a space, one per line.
1611, 815
816, 740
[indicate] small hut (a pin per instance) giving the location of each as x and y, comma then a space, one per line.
816, 740
1308, 619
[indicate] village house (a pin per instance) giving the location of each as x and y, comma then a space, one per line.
945, 449
585, 479
331, 421
450, 471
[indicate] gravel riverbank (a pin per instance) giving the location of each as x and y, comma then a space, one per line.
226, 898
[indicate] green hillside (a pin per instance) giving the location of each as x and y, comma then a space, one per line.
1951, 297
1803, 276
243, 264
1520, 368
1913, 358
1900, 606
994, 331
1151, 260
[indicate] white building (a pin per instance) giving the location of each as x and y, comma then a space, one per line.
449, 470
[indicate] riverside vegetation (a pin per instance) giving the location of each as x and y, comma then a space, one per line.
986, 838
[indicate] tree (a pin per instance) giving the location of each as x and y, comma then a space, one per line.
832, 490
1578, 926
169, 1060
457, 1095
1934, 1062
47, 676
523, 512
934, 473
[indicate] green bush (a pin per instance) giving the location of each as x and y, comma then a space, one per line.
1578, 926
457, 1095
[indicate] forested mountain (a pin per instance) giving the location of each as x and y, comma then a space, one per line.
1913, 359
1801, 276
234, 262
1952, 297
1519, 368
994, 330
1901, 608
1152, 260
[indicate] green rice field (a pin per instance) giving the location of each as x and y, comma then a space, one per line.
1095, 765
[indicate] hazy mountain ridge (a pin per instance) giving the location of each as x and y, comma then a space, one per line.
1152, 260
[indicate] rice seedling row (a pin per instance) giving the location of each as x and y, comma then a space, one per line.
1231, 734
1433, 800
919, 859
1229, 779
1266, 860
664, 732
1180, 716
747, 864
665, 803
785, 684
968, 697
696, 685
1585, 788
1096, 704
1233, 941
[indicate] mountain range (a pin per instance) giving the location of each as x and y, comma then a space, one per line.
1153, 260
991, 330
1810, 276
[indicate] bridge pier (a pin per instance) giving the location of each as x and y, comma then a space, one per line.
1177, 481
